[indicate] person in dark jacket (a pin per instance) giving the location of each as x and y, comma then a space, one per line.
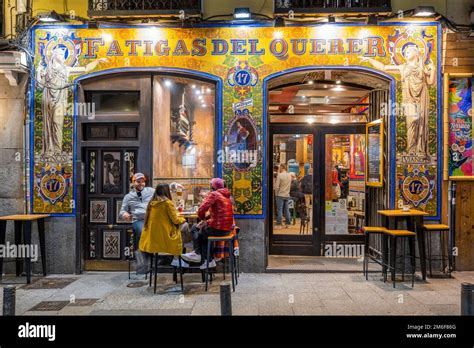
220, 221
297, 196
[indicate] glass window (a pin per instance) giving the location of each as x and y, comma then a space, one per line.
114, 101
345, 183
292, 184
183, 136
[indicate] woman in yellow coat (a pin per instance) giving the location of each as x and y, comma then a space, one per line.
161, 233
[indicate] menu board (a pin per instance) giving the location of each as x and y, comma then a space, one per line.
374, 163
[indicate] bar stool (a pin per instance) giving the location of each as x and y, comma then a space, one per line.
154, 269
404, 235
229, 240
373, 252
443, 242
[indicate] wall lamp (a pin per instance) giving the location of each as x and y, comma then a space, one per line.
279, 22
372, 20
424, 11
50, 17
242, 13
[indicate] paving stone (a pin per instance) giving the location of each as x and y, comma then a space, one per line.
296, 287
435, 297
342, 307
445, 309
309, 310
212, 308
331, 293
142, 312
268, 308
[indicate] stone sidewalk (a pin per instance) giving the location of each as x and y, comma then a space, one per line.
106, 293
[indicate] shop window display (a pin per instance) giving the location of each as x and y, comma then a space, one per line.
184, 137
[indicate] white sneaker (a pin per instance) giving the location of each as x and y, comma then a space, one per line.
212, 264
137, 276
175, 263
191, 257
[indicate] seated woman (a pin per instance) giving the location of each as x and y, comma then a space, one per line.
161, 231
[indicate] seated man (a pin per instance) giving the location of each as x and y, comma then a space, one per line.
220, 222
133, 209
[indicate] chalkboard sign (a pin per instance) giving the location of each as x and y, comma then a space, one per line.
374, 141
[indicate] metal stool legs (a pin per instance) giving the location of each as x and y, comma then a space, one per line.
156, 270
232, 264
393, 258
207, 263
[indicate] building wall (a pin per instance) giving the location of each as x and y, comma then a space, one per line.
458, 58
458, 11
12, 195
454, 9
11, 140
60, 232
253, 245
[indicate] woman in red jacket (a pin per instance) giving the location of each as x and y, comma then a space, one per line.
220, 222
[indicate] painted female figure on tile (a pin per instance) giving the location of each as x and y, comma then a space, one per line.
53, 79
416, 78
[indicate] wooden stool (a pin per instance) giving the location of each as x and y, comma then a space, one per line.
23, 224
373, 252
394, 235
443, 241
229, 240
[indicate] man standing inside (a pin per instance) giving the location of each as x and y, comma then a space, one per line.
282, 194
218, 204
134, 209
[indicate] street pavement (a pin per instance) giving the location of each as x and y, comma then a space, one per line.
112, 293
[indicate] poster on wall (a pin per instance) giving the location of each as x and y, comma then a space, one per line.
374, 136
460, 134
357, 162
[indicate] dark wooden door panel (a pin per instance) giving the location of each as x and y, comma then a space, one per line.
109, 170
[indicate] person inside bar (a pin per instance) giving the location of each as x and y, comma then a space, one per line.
282, 195
217, 209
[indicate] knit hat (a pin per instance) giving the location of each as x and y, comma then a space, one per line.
217, 183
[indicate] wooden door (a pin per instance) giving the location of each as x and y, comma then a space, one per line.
107, 236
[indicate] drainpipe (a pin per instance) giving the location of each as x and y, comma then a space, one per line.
452, 225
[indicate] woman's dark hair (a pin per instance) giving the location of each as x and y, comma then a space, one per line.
163, 190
